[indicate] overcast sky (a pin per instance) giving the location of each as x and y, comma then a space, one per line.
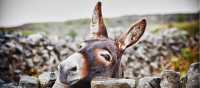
16, 12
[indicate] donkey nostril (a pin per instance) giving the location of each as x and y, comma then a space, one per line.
73, 69
98, 72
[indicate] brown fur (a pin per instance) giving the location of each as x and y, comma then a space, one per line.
101, 56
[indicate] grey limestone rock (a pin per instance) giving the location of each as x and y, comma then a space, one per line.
193, 76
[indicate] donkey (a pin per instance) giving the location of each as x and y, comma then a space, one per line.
99, 55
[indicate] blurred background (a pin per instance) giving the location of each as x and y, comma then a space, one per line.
35, 35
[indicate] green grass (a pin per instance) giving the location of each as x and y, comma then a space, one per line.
27, 33
192, 27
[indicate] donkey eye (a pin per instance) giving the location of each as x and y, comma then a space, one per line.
106, 56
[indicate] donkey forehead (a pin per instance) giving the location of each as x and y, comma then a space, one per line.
107, 44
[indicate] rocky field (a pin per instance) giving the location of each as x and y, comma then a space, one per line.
30, 59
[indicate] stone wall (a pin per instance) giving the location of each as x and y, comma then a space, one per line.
167, 79
37, 55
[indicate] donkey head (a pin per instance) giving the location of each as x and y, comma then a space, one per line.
99, 55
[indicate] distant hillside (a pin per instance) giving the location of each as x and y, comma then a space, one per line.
79, 26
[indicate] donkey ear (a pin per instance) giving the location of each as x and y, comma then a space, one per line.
97, 26
133, 35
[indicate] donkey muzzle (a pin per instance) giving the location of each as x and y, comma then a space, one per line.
72, 69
